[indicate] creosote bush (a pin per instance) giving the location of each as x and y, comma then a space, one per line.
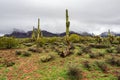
118, 49
26, 54
114, 61
8, 43
103, 66
47, 58
74, 73
18, 52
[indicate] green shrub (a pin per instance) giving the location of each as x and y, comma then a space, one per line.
99, 46
18, 52
118, 49
35, 50
41, 42
86, 49
74, 38
109, 50
103, 66
26, 54
93, 55
74, 73
114, 61
8, 43
87, 65
47, 58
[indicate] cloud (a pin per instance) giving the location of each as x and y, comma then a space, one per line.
94, 16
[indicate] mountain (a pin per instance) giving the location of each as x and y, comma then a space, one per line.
21, 34
105, 34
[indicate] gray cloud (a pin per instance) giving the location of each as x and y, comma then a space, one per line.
85, 15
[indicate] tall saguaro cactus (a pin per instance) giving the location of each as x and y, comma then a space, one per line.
33, 34
38, 30
67, 24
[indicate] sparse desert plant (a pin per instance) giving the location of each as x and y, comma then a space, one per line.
47, 58
103, 66
109, 50
74, 38
101, 54
86, 49
114, 61
87, 65
8, 43
118, 49
74, 73
93, 55
35, 50
18, 52
26, 54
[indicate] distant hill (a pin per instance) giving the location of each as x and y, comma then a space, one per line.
105, 34
22, 34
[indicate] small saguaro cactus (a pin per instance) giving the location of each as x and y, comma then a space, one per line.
67, 24
110, 37
33, 34
38, 30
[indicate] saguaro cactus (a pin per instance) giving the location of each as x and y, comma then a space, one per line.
33, 34
67, 24
38, 30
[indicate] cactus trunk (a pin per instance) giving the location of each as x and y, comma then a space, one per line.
33, 34
67, 24
38, 30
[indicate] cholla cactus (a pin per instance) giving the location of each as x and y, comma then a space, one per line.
67, 24
39, 34
33, 34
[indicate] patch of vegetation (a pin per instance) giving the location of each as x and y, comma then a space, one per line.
18, 52
47, 58
74, 72
26, 54
8, 43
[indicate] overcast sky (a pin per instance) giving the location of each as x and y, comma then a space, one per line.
94, 16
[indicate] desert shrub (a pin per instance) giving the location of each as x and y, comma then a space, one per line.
18, 52
26, 54
86, 49
74, 73
35, 50
109, 50
101, 54
87, 65
78, 52
93, 55
98, 46
8, 43
74, 38
7, 63
103, 66
41, 42
28, 44
114, 61
47, 58
118, 49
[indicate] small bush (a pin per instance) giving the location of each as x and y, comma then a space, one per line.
8, 43
86, 49
114, 61
118, 49
93, 55
74, 72
46, 58
103, 66
109, 50
35, 50
74, 38
98, 46
26, 54
101, 54
18, 52
87, 65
